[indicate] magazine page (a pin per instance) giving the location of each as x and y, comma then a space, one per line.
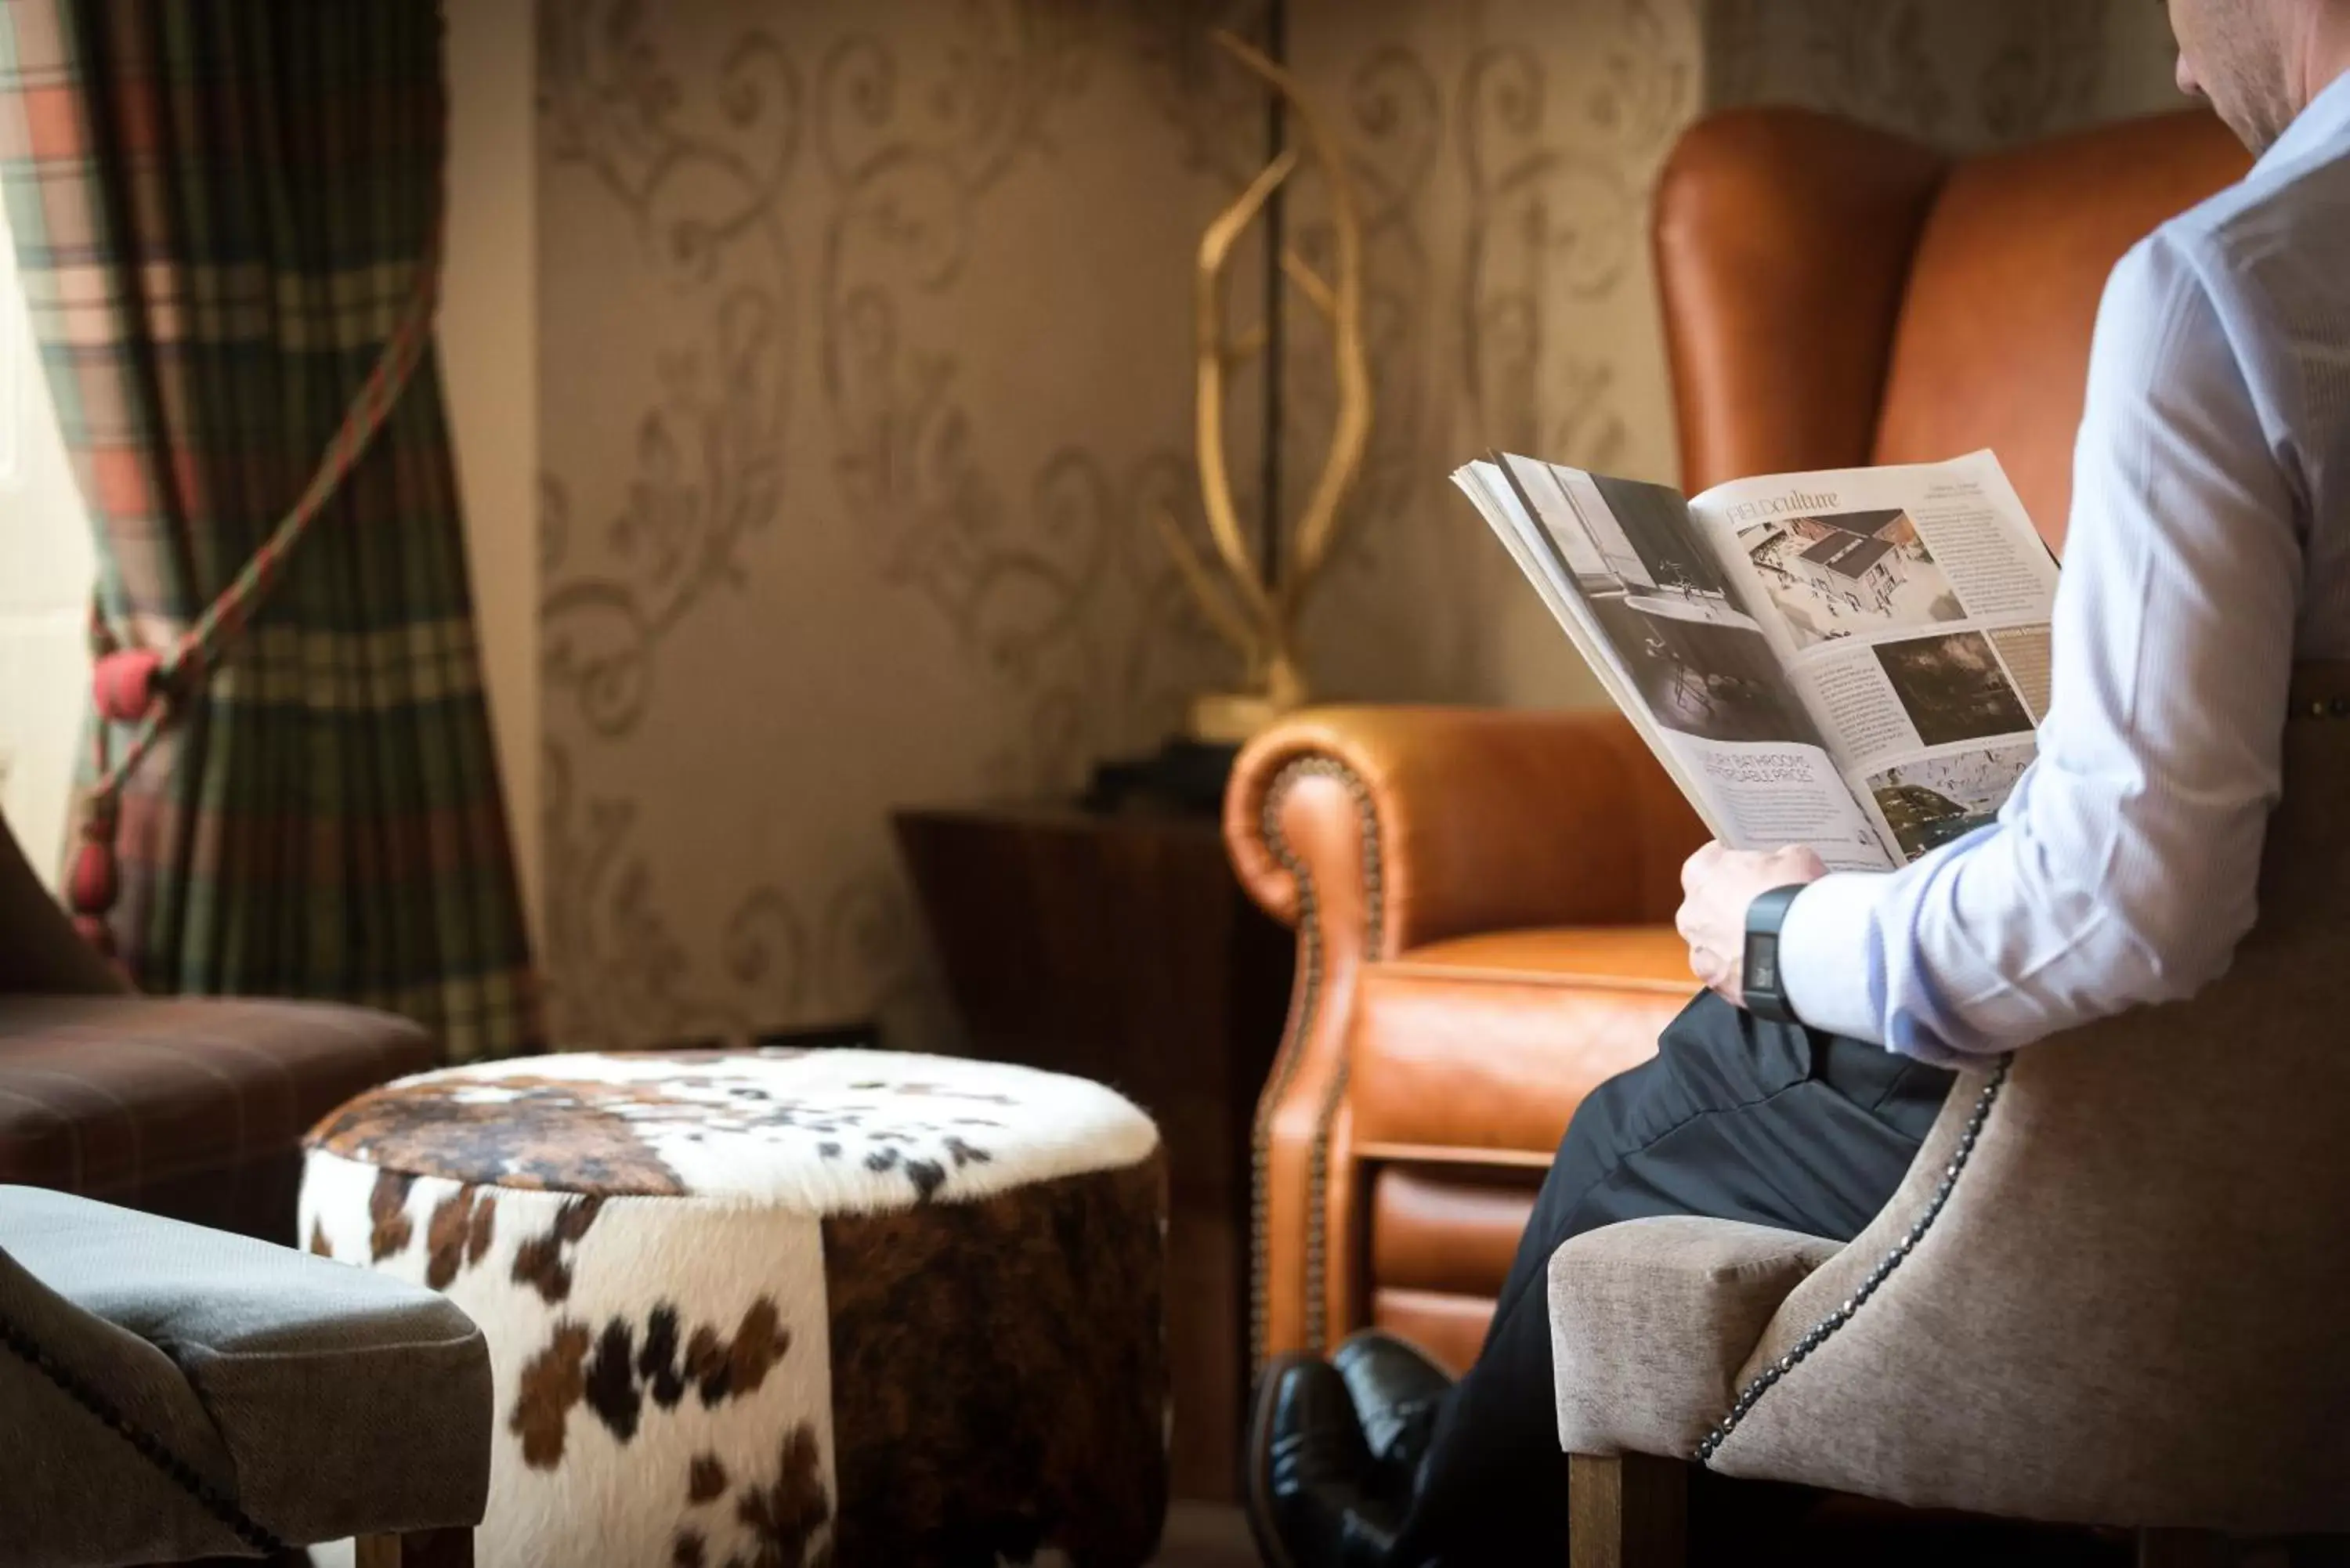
1675, 640
1911, 607
1490, 493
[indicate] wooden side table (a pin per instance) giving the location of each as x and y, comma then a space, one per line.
1120, 947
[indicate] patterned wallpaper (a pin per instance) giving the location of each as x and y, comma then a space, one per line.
1506, 147
865, 335
1965, 74
864, 328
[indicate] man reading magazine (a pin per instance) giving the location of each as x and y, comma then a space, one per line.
1839, 689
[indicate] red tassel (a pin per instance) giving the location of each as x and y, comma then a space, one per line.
126, 684
96, 880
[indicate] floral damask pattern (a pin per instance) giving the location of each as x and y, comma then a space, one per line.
702, 198
1023, 569
1505, 149
1967, 74
1390, 106
809, 192
909, 174
1557, 186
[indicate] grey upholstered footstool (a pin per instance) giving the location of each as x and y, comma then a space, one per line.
169, 1392
783, 1307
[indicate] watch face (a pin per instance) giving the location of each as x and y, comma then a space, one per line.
1761, 963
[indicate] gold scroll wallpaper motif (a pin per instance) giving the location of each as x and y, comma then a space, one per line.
1963, 74
1505, 150
865, 356
863, 339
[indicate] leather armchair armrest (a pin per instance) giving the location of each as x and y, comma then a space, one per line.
1450, 821
1375, 830
1652, 1320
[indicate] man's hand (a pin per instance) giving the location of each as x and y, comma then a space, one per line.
1717, 885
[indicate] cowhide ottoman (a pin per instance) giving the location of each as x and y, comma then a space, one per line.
774, 1308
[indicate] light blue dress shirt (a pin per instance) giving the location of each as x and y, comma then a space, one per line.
2208, 550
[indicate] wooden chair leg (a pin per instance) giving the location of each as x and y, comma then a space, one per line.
2184, 1549
418, 1549
1628, 1510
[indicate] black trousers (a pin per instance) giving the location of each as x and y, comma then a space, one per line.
1734, 1118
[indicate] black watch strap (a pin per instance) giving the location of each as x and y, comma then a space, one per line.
1766, 997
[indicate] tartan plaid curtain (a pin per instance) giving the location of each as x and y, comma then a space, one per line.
222, 211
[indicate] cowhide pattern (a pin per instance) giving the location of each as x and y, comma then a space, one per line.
758, 1335
661, 1364
1000, 1376
826, 1132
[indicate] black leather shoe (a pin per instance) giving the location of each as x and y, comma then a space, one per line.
1395, 1389
1311, 1499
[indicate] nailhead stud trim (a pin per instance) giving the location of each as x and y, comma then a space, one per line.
1311, 984
185, 1476
1820, 1331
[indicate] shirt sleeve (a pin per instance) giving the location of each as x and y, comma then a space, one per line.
2122, 868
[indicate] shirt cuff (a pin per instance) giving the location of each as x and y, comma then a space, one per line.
1824, 964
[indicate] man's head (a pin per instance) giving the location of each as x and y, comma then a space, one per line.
2259, 61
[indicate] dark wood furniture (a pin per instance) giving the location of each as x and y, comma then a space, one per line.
1120, 948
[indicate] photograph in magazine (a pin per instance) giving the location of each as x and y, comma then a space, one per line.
1678, 624
1953, 688
1931, 801
1837, 573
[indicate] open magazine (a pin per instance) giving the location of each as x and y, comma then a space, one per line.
1854, 659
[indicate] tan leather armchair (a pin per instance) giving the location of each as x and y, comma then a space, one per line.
1483, 899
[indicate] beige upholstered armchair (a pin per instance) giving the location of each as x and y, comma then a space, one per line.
2115, 1289
171, 1393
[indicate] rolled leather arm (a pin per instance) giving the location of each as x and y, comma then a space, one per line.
1458, 820
1375, 830
1653, 1320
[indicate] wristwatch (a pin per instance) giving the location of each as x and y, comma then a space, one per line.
1765, 997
